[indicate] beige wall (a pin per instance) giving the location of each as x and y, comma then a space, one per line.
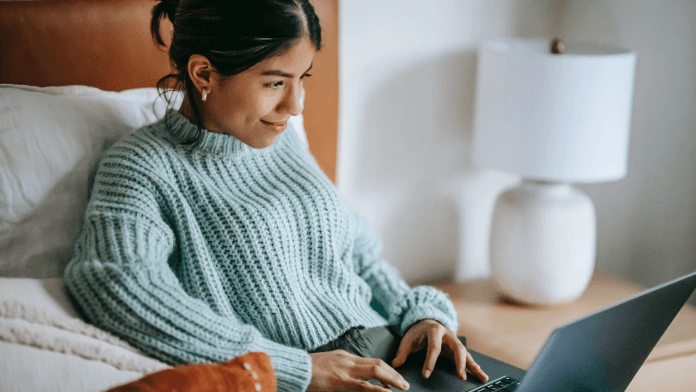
408, 76
647, 221
408, 72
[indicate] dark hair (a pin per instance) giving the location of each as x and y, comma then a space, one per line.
234, 35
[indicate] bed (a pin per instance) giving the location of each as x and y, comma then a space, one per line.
77, 76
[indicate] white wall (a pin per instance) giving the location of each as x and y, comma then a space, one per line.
647, 222
408, 72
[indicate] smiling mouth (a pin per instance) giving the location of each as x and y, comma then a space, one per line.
276, 128
275, 124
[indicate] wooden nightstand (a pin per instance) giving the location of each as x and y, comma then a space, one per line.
514, 333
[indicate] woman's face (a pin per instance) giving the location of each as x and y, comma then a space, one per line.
255, 105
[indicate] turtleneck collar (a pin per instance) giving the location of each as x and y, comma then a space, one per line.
181, 129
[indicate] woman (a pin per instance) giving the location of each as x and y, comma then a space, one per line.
213, 233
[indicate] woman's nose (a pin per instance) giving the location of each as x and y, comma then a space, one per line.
292, 102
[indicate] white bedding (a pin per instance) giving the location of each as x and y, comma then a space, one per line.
33, 370
44, 346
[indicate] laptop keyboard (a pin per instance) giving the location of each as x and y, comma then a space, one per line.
502, 384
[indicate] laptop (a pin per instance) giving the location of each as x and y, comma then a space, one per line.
600, 352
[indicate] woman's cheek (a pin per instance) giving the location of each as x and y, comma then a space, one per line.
267, 104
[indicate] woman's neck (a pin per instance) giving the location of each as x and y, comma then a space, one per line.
187, 111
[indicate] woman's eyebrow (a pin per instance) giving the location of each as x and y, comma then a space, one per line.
276, 72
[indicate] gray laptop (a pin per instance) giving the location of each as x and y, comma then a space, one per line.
601, 352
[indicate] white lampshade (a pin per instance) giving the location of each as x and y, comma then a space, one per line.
554, 117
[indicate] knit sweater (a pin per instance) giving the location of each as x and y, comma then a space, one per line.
204, 252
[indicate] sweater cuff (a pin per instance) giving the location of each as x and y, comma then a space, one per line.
292, 366
421, 303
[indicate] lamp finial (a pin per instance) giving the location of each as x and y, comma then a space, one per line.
557, 46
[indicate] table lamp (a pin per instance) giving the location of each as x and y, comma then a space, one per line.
555, 114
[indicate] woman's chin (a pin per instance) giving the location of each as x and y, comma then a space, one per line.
263, 143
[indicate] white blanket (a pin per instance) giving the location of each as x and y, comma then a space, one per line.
45, 346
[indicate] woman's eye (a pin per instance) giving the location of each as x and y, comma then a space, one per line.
275, 85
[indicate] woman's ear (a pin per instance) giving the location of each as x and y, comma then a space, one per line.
201, 73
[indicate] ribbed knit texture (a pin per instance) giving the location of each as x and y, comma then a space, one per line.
201, 253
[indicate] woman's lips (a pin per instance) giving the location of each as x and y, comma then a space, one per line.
277, 126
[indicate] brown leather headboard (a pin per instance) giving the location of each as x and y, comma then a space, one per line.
107, 44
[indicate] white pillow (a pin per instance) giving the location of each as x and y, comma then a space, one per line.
50, 142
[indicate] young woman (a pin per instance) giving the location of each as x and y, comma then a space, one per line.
213, 232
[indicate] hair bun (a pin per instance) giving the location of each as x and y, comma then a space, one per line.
168, 7
163, 8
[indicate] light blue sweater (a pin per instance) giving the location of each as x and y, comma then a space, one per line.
204, 253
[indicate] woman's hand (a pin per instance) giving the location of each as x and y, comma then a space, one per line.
435, 337
340, 370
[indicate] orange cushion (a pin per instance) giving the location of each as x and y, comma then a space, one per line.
250, 372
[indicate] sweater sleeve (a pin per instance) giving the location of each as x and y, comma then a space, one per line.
404, 305
121, 280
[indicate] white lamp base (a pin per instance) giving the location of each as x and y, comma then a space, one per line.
543, 242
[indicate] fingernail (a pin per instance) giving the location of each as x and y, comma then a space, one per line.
405, 384
427, 373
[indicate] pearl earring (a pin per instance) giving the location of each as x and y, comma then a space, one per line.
205, 95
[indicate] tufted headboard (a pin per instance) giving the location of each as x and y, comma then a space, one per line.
107, 44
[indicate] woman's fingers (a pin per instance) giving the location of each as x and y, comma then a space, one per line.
340, 370
462, 358
364, 386
377, 369
405, 348
434, 348
436, 337
475, 368
460, 354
